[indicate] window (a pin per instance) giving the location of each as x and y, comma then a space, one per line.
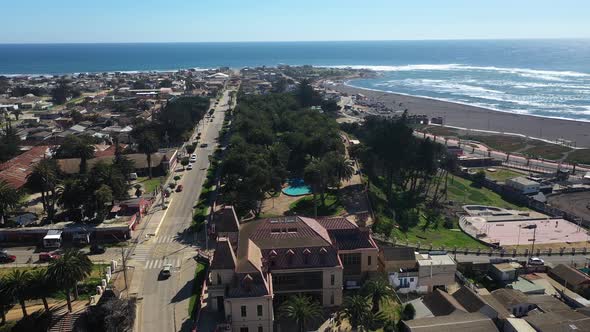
243, 329
243, 310
259, 310
332, 279
369, 263
260, 329
218, 278
332, 298
411, 279
351, 259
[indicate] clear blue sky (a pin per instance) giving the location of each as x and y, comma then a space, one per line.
28, 21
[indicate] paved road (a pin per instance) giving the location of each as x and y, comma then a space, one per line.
555, 259
164, 303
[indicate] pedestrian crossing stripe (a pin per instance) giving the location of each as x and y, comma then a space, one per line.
159, 263
165, 239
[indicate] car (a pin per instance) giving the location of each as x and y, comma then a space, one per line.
204, 145
194, 155
166, 271
49, 256
536, 261
179, 188
193, 159
189, 167
7, 258
97, 249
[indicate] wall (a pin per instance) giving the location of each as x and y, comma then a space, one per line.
252, 321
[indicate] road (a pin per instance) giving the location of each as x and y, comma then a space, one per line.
163, 304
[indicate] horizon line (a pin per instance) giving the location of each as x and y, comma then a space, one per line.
291, 41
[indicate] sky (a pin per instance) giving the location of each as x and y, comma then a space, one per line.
75, 21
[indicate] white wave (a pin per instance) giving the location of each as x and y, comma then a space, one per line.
550, 75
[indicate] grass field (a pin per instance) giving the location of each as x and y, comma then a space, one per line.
499, 142
501, 174
198, 282
442, 131
305, 206
462, 191
581, 156
546, 151
149, 185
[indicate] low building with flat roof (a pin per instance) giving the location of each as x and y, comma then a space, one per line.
460, 322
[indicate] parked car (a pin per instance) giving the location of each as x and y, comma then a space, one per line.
204, 145
179, 188
49, 256
193, 159
189, 167
97, 249
536, 261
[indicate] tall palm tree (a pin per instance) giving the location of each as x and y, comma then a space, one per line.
17, 287
45, 178
378, 290
148, 144
301, 309
66, 271
84, 150
9, 199
354, 310
40, 285
5, 299
342, 168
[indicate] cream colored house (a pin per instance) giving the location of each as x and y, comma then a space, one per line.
276, 258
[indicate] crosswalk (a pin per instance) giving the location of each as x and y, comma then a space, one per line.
164, 239
159, 263
142, 253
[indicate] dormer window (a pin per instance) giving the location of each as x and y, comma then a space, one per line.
290, 254
323, 253
306, 254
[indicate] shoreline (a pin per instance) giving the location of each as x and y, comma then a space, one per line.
479, 118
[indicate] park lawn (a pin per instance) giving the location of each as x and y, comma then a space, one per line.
149, 185
198, 283
437, 236
502, 174
462, 191
499, 142
305, 206
580, 156
547, 151
440, 131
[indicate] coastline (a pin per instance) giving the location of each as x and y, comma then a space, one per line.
474, 117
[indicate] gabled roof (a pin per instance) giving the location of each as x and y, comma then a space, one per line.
460, 322
441, 303
286, 232
569, 275
509, 297
251, 260
470, 300
224, 257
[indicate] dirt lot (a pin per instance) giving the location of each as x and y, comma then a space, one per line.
575, 203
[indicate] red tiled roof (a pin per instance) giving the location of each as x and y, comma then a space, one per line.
16, 170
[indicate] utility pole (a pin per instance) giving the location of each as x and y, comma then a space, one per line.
124, 261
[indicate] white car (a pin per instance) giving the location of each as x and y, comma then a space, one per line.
193, 159
189, 167
536, 261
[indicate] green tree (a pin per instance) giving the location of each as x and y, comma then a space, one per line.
17, 287
9, 199
77, 147
355, 310
5, 299
69, 269
176, 178
301, 309
102, 196
40, 286
45, 178
148, 144
17, 113
378, 290
479, 178
9, 143
73, 194
409, 312
184, 162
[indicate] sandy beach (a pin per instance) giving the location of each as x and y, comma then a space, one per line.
472, 117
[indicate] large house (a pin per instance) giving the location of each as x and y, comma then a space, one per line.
268, 260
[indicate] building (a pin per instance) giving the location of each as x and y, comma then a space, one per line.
276, 258
16, 170
505, 272
559, 321
513, 301
573, 279
441, 303
473, 302
524, 185
401, 266
435, 271
460, 322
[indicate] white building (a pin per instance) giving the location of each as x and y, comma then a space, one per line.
524, 185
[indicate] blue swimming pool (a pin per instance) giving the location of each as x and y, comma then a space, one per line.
297, 187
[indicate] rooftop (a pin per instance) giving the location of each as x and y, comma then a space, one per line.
460, 322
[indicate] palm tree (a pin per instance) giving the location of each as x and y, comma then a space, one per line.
148, 144
5, 299
301, 309
9, 199
17, 287
44, 178
66, 271
84, 150
40, 285
355, 310
378, 290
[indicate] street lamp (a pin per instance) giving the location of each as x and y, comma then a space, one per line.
534, 228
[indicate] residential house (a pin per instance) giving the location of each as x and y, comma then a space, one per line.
514, 301
505, 272
16, 170
473, 302
573, 279
441, 303
524, 185
460, 322
435, 271
562, 321
401, 266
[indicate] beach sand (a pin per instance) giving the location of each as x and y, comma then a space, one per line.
472, 117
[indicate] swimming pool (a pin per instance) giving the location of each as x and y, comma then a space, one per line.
297, 187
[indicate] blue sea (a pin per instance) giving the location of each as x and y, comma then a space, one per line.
539, 77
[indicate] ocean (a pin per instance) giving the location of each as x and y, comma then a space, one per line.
549, 78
